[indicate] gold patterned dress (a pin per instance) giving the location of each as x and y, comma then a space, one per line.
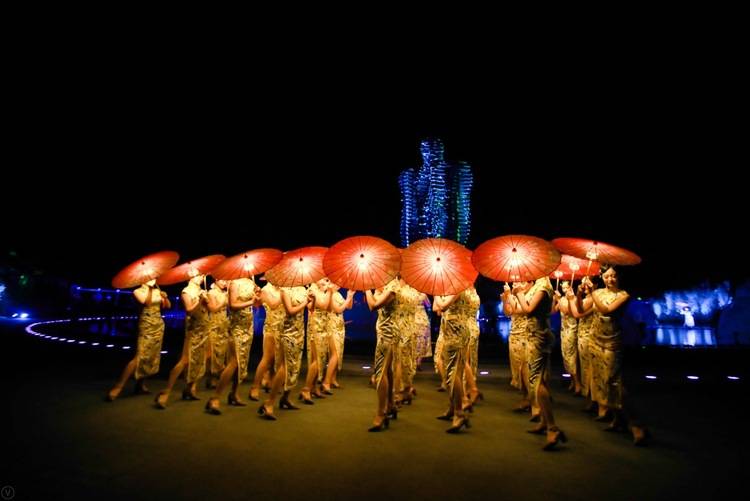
456, 334
422, 326
569, 342
517, 340
317, 333
241, 326
472, 309
337, 327
150, 336
540, 337
386, 329
196, 334
584, 357
274, 321
292, 337
404, 353
605, 350
219, 331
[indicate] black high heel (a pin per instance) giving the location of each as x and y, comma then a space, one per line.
448, 416
392, 414
251, 396
306, 401
457, 428
326, 391
211, 409
160, 405
189, 395
559, 437
287, 405
265, 414
380, 427
233, 400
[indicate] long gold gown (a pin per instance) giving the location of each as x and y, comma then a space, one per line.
455, 330
605, 350
292, 338
386, 329
471, 320
274, 321
404, 353
569, 342
422, 326
150, 336
337, 328
196, 334
517, 340
540, 337
241, 327
318, 324
219, 331
584, 357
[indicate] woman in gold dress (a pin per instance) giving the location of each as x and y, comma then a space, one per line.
569, 338
317, 338
243, 294
194, 346
405, 349
271, 297
386, 302
537, 304
454, 311
289, 346
582, 307
150, 336
337, 331
472, 349
606, 356
424, 332
517, 345
218, 300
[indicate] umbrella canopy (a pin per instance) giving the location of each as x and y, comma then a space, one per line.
189, 269
247, 264
573, 267
361, 263
438, 267
145, 269
298, 267
514, 258
596, 251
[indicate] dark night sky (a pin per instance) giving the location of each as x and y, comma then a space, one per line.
285, 172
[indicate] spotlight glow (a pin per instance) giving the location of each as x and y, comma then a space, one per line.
366, 367
484, 373
733, 378
566, 375
693, 377
650, 377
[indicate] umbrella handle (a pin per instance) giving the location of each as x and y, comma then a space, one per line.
557, 284
588, 267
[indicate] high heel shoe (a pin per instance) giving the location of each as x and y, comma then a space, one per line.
211, 409
392, 414
642, 439
317, 394
535, 418
559, 436
457, 427
233, 400
538, 430
287, 405
448, 416
326, 391
112, 395
305, 400
336, 385
477, 397
253, 395
158, 402
189, 395
265, 414
380, 427
140, 389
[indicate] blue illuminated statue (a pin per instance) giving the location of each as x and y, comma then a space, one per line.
436, 199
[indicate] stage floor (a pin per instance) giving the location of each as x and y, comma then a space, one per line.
63, 440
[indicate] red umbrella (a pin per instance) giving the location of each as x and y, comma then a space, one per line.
360, 263
298, 267
516, 258
596, 251
247, 264
189, 269
145, 269
575, 267
438, 267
